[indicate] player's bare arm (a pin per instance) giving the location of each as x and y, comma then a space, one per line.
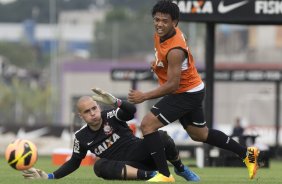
175, 59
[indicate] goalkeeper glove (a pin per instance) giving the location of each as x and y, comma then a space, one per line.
105, 97
34, 173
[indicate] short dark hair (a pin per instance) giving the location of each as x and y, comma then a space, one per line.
167, 7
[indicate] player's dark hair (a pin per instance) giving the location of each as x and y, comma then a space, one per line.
167, 7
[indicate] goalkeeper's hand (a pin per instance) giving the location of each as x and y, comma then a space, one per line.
34, 173
105, 97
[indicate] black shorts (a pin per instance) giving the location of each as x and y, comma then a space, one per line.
185, 107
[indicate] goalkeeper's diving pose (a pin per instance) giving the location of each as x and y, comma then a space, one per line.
122, 155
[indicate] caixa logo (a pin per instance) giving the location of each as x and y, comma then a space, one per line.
268, 7
204, 7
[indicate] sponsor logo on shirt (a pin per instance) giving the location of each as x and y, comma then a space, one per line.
111, 114
76, 146
89, 143
160, 64
106, 144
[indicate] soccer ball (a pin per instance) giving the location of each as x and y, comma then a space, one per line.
21, 154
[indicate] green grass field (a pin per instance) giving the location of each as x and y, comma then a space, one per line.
85, 175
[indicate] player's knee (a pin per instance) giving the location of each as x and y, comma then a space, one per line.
149, 124
146, 126
109, 169
97, 167
198, 137
198, 134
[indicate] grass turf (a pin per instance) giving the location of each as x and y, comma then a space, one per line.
85, 175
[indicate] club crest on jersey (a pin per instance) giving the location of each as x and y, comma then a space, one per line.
160, 64
107, 129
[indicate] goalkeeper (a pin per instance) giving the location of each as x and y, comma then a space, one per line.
121, 155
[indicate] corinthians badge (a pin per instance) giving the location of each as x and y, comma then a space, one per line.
107, 129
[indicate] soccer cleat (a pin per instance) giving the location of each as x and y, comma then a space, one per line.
154, 173
251, 161
187, 174
162, 178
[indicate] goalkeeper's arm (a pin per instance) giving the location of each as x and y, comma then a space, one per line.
125, 111
68, 167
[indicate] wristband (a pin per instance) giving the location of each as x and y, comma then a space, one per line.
51, 176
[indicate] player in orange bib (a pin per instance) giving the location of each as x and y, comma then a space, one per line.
189, 77
182, 91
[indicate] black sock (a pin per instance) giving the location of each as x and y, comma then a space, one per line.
178, 165
144, 175
221, 140
155, 147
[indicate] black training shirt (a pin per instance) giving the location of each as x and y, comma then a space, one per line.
111, 141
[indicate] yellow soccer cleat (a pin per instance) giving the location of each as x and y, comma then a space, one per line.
251, 161
162, 178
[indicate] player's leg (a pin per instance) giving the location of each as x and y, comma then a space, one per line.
166, 111
221, 140
120, 170
153, 143
138, 153
198, 131
172, 155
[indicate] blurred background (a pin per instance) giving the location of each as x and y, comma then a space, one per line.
54, 51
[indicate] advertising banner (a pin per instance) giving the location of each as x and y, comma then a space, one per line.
231, 11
